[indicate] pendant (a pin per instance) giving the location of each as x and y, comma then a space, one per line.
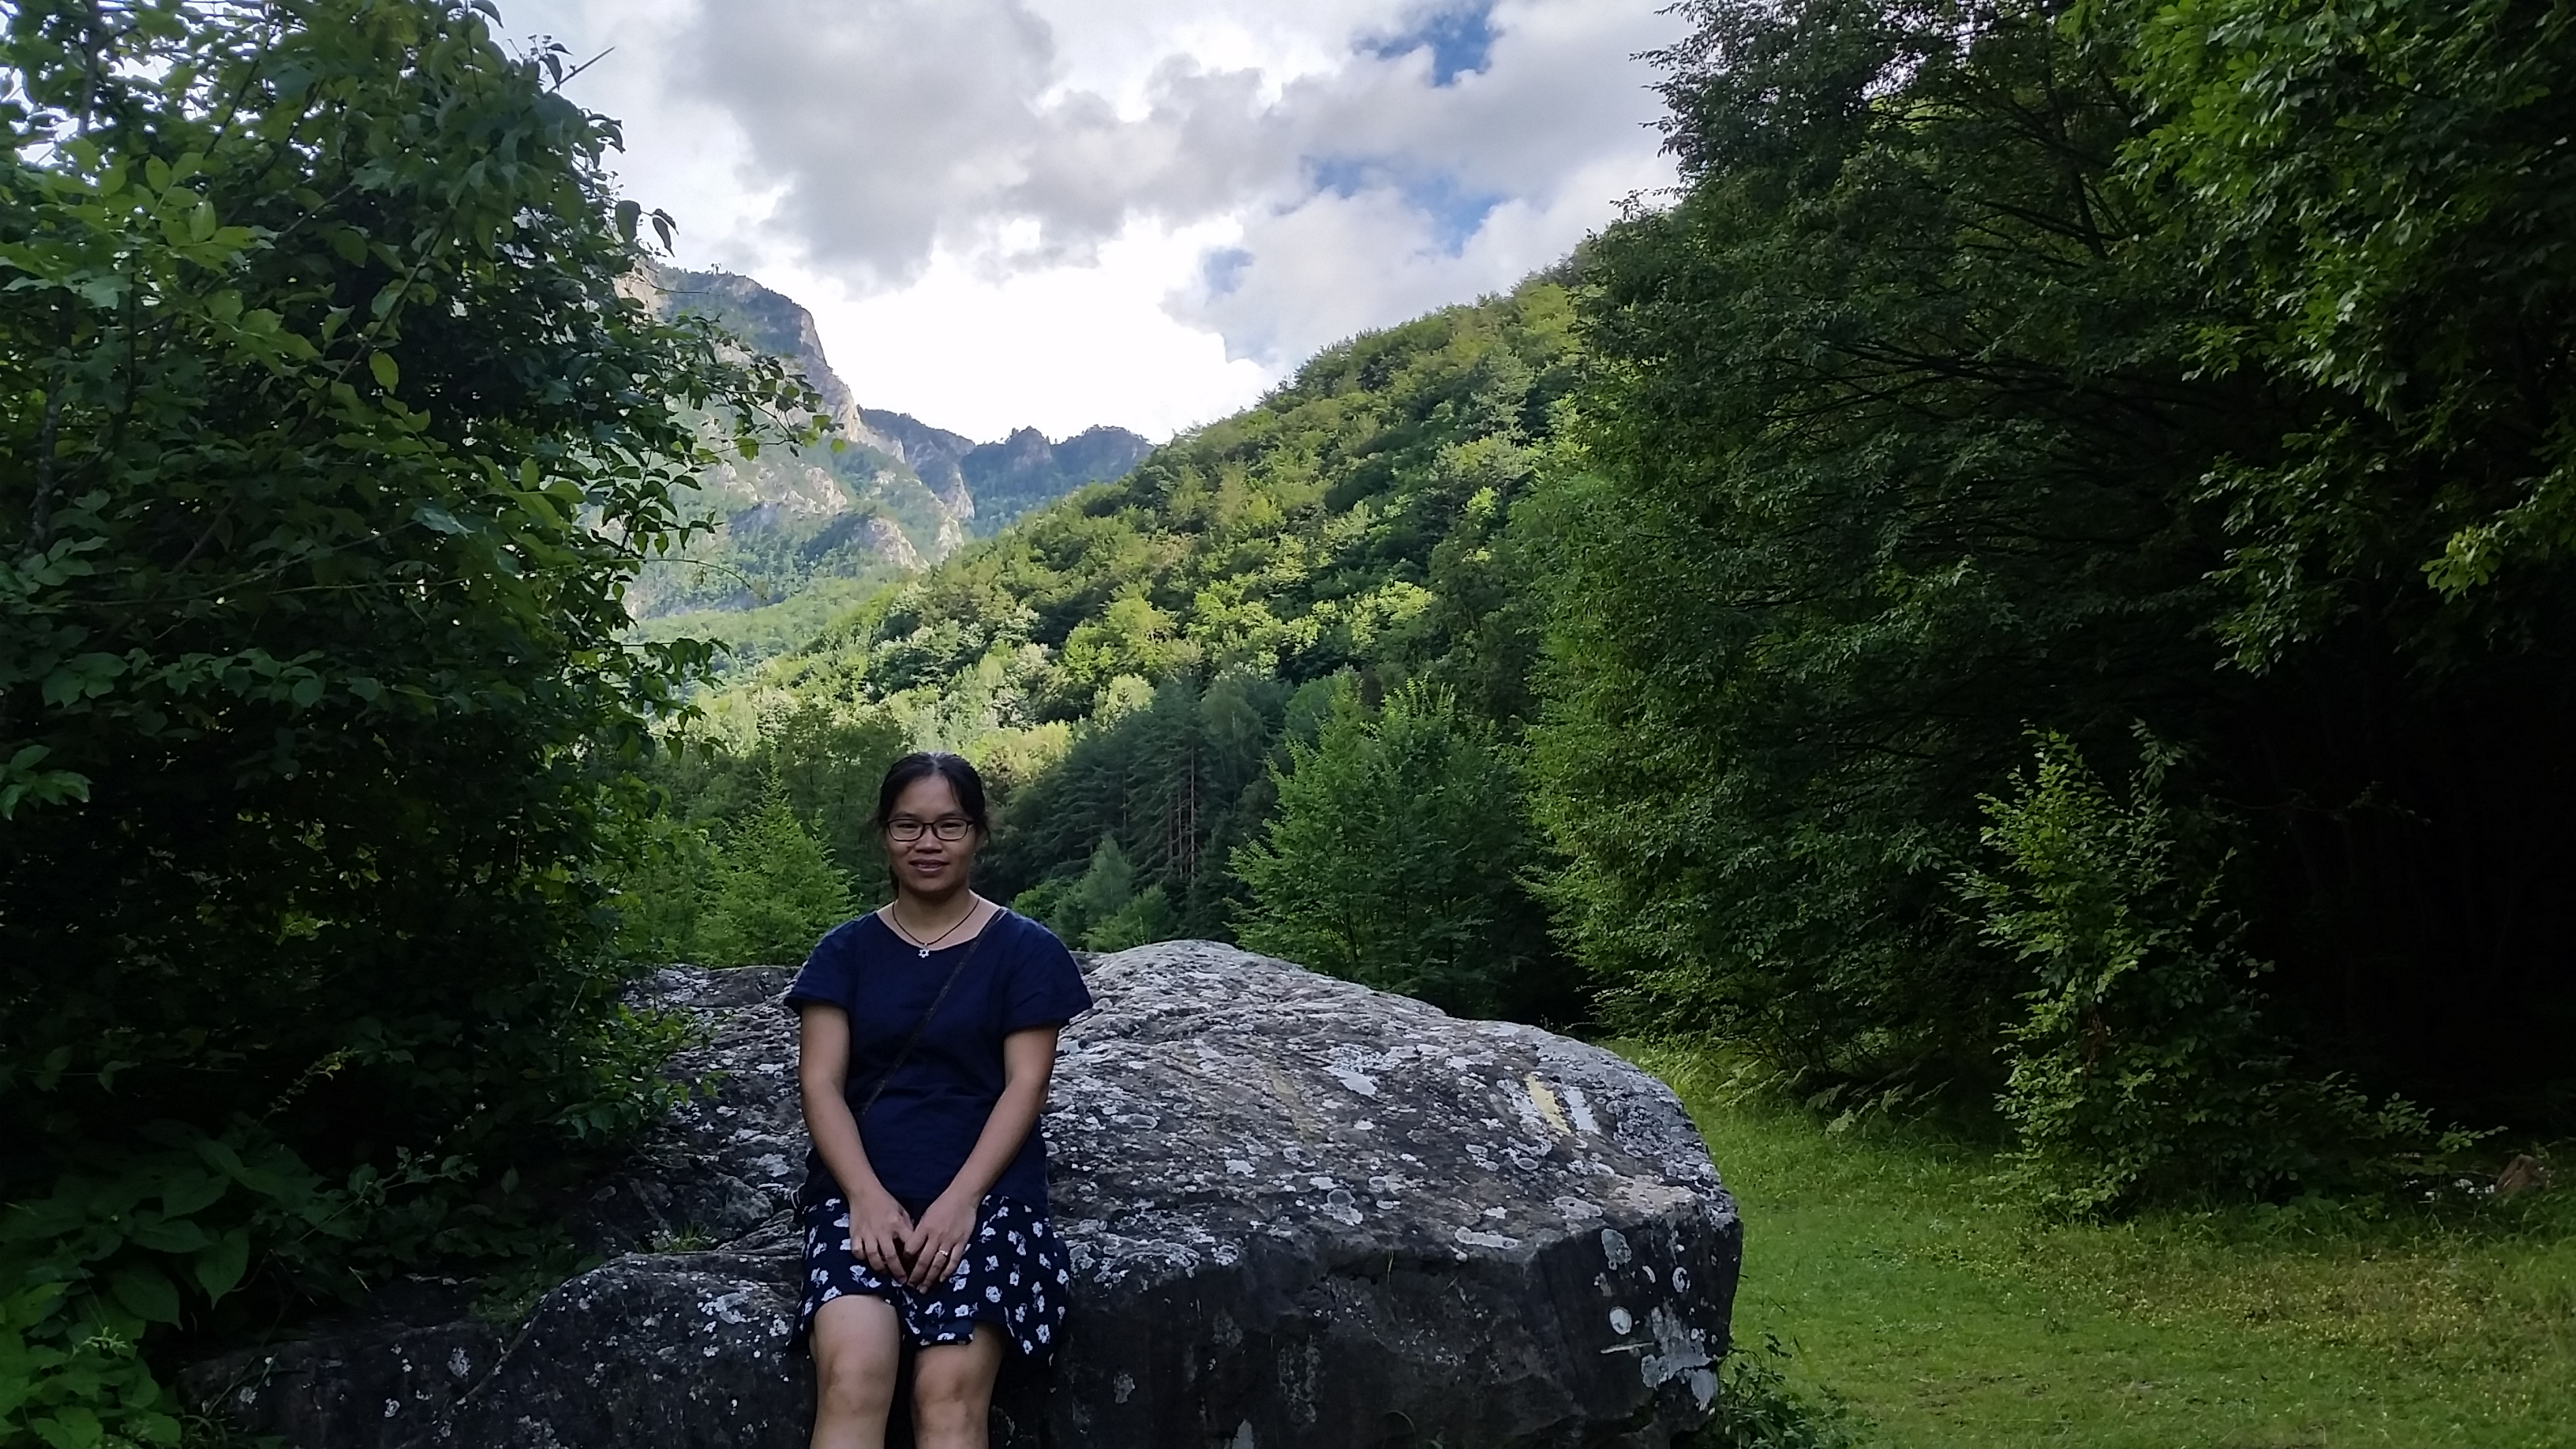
925, 953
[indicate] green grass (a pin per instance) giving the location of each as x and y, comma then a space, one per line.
1904, 1284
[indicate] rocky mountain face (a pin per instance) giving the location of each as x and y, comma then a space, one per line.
895, 494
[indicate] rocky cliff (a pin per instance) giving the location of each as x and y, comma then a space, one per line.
918, 481
1303, 1214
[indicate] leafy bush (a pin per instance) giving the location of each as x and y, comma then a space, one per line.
330, 443
2143, 1066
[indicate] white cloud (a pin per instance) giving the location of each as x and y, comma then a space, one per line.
1134, 211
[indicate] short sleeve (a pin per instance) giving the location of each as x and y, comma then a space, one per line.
826, 977
1046, 987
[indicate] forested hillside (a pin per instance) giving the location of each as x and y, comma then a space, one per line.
1128, 662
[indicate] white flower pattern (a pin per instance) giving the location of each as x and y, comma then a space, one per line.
1005, 1288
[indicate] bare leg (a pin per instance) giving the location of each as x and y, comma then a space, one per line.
857, 1346
952, 1391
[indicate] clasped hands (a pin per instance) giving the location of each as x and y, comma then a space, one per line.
900, 1250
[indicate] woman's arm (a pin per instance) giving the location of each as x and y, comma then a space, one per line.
1028, 1060
877, 1221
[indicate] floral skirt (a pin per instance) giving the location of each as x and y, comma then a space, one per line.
1015, 1276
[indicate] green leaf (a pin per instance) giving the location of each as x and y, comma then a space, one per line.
387, 372
169, 1235
219, 1268
71, 1427
84, 676
145, 1293
192, 1192
439, 519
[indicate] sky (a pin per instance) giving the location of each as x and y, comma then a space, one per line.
1056, 213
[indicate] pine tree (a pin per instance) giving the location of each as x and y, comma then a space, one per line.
1396, 855
777, 890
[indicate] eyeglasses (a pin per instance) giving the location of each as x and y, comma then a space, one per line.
905, 830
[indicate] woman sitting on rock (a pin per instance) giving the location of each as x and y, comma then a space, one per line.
929, 1032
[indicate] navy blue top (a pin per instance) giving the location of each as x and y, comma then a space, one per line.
925, 1124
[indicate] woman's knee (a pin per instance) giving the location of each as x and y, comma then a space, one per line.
856, 1355
855, 1380
954, 1385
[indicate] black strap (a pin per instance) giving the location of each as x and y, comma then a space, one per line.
904, 1053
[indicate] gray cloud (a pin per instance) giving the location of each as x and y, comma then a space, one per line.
895, 127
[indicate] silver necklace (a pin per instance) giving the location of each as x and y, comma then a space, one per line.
915, 938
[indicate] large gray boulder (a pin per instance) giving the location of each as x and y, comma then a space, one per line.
1301, 1213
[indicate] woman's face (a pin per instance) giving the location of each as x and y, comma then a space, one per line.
926, 864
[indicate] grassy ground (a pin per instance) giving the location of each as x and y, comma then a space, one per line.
1943, 1316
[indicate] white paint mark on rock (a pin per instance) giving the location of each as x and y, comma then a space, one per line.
1614, 1247
1475, 1239
1581, 1111
1622, 1321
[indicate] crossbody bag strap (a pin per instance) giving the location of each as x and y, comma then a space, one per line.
904, 1053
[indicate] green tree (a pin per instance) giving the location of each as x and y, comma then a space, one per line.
1396, 858
2378, 193
664, 889
1173, 785
1877, 466
776, 891
2069, 366
327, 445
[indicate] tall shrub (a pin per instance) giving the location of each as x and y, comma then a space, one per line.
2142, 1065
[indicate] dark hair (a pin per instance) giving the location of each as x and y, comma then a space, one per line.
923, 764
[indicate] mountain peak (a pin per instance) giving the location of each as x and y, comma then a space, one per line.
916, 488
